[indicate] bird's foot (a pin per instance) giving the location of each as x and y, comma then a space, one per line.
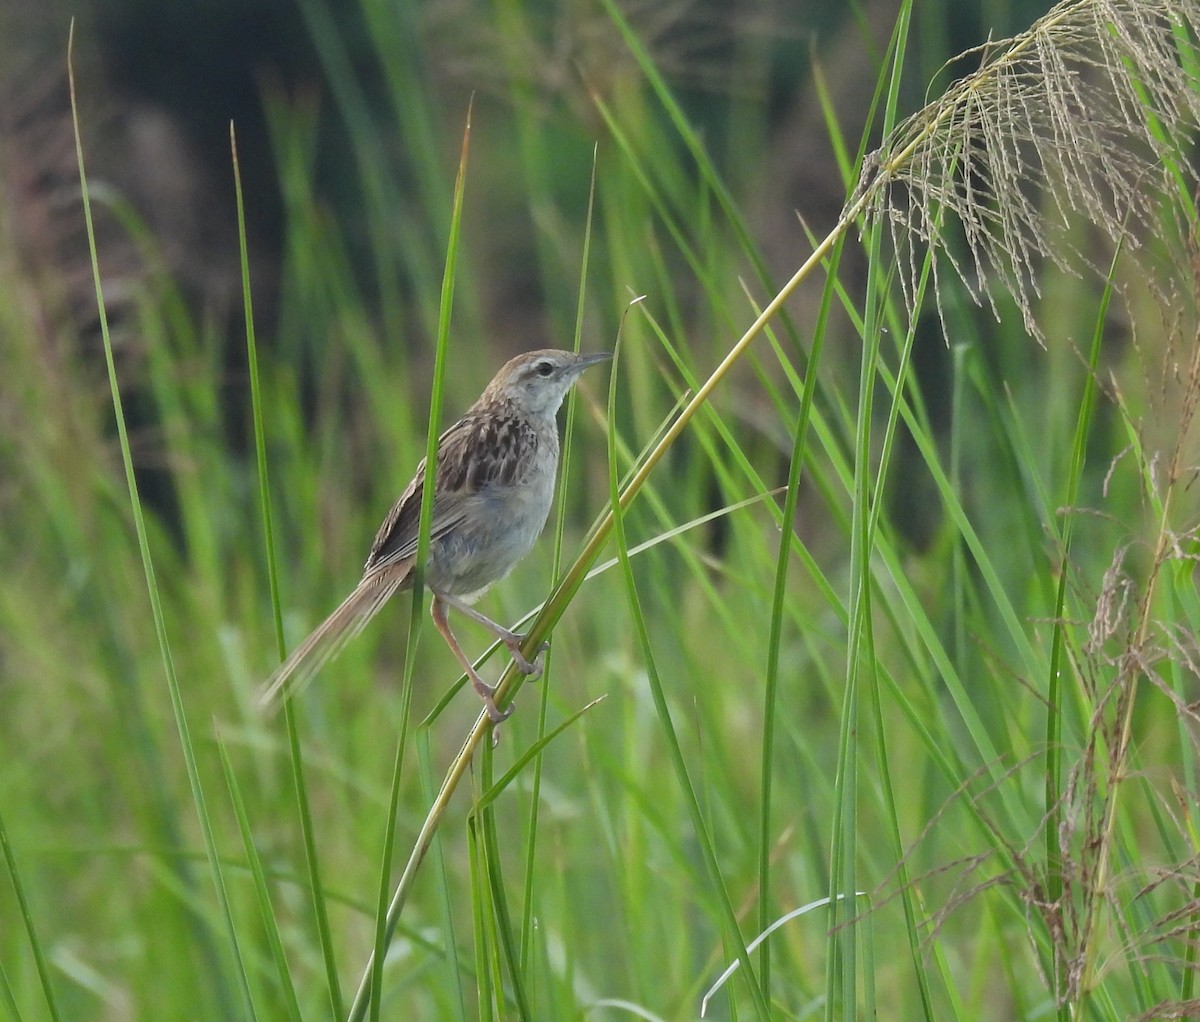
533, 669
496, 715
488, 694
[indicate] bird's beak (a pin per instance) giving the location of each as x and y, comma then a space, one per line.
583, 361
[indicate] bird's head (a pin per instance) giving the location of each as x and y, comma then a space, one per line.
537, 381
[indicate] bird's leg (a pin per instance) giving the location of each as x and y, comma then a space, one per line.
486, 692
512, 640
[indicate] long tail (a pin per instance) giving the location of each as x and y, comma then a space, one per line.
329, 638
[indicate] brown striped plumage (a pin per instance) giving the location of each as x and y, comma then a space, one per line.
492, 494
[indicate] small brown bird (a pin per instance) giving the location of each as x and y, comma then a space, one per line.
492, 494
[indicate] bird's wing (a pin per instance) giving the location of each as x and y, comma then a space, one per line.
397, 536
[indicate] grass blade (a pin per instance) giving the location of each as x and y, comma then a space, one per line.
731, 930
218, 984
31, 934
299, 783
261, 891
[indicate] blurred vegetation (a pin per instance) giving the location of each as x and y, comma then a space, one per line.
965, 687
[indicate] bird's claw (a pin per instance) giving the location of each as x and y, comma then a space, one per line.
533, 669
495, 714
488, 694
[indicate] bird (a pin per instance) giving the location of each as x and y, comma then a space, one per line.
493, 486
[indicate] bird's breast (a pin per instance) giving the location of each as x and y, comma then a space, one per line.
503, 519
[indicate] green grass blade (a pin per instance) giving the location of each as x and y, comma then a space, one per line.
531, 754
219, 983
1055, 792
10, 999
726, 914
455, 969
369, 992
508, 952
262, 892
766, 836
564, 470
31, 934
299, 782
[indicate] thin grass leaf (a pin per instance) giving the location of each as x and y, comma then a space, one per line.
487, 975
1055, 792
369, 991
261, 891
636, 1010
9, 998
299, 783
531, 754
727, 916
531, 829
31, 934
898, 388
507, 945
456, 970
766, 932
775, 636
841, 958
219, 982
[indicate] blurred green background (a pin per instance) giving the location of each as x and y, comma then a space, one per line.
956, 774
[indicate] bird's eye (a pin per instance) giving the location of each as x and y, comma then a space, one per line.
544, 368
